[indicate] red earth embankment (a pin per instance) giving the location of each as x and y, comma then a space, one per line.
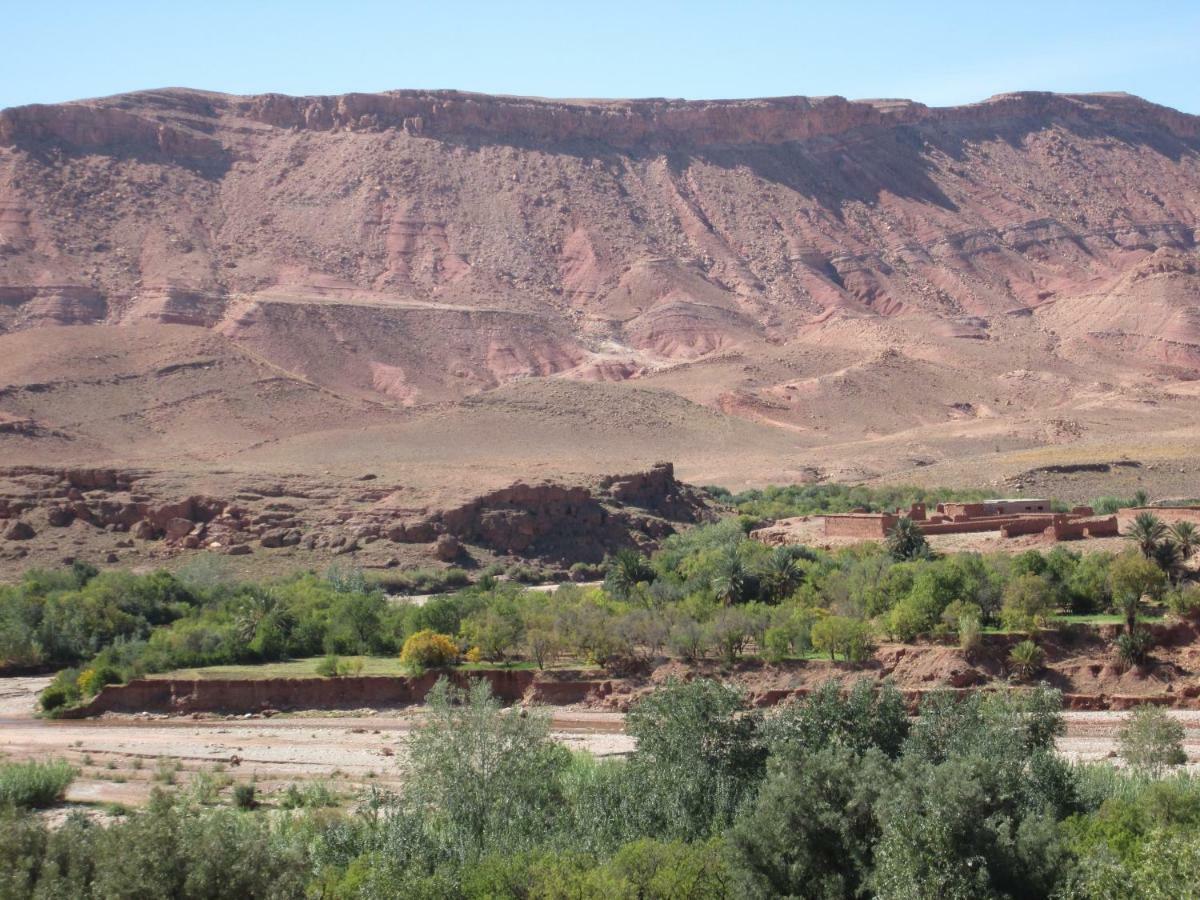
256, 695
1080, 662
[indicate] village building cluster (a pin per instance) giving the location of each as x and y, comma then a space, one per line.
1010, 517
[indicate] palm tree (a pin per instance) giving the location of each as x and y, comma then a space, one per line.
906, 541
729, 583
781, 574
253, 610
627, 570
1140, 498
1169, 558
1186, 537
1147, 531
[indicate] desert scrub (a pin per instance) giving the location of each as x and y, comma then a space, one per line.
244, 796
165, 770
34, 785
427, 649
1151, 740
314, 795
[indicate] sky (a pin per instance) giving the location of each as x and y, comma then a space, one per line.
938, 53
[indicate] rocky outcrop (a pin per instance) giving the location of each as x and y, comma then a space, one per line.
108, 509
667, 123
569, 523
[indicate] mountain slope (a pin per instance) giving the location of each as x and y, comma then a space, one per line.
877, 287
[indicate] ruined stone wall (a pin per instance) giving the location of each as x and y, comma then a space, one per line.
1168, 514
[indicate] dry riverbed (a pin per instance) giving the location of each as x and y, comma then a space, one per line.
122, 758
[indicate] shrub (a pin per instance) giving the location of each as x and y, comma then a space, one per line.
165, 770
314, 795
33, 785
91, 680
55, 696
1133, 647
777, 644
1026, 659
329, 666
427, 649
244, 796
1028, 602
1185, 601
689, 640
970, 634
1152, 740
840, 634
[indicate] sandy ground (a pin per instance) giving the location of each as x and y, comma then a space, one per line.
122, 758
119, 756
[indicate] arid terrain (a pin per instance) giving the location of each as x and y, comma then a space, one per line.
123, 757
453, 290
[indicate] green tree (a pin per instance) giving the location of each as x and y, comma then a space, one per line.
730, 581
1131, 577
781, 575
840, 634
484, 778
863, 718
1028, 603
626, 572
699, 756
812, 829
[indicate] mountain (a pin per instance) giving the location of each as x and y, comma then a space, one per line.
457, 287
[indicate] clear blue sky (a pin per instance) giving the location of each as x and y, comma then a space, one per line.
938, 53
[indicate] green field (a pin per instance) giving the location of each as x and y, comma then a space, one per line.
307, 668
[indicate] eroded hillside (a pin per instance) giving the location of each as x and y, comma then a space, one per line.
856, 289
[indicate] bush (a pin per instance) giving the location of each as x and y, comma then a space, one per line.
1026, 659
329, 666
55, 696
840, 634
245, 796
777, 644
34, 785
1185, 601
1133, 647
91, 680
970, 634
1151, 740
1028, 603
427, 649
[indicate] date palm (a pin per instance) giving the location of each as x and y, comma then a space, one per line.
906, 541
1147, 531
729, 582
627, 570
781, 574
1186, 537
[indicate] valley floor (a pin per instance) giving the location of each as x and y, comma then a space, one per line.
123, 757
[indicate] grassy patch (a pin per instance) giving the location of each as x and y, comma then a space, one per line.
1090, 619
307, 668
34, 785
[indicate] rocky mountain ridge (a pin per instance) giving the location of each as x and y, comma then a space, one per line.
874, 286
